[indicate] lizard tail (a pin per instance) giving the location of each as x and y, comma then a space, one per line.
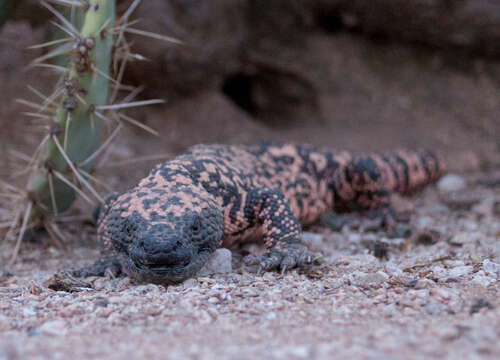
403, 171
408, 171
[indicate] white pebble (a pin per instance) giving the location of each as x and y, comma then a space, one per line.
56, 327
218, 263
451, 183
460, 271
312, 240
491, 268
482, 280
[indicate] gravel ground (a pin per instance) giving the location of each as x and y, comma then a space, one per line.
434, 295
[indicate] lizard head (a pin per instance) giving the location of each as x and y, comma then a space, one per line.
162, 238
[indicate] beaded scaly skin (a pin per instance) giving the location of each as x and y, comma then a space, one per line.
164, 229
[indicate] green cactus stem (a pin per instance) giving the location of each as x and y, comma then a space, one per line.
75, 133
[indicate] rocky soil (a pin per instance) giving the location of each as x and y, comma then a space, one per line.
431, 292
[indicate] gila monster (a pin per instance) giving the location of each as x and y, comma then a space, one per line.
164, 229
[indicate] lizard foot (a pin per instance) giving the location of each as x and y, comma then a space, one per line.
283, 258
102, 267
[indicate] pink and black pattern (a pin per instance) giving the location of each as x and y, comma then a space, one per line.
165, 228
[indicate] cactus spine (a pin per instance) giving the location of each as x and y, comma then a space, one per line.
75, 133
60, 167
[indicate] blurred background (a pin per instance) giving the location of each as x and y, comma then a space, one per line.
351, 74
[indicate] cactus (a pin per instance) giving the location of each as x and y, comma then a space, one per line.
75, 133
60, 169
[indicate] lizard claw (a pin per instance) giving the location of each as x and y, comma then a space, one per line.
102, 267
288, 257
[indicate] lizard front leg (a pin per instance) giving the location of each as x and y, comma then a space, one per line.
108, 262
281, 229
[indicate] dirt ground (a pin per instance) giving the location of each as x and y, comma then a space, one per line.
436, 295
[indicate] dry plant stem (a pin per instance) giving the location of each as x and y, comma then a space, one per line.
26, 217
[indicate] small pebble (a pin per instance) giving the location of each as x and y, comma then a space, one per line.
460, 271
496, 207
218, 263
441, 294
101, 301
482, 280
313, 241
451, 183
428, 237
479, 304
460, 200
491, 268
434, 308
55, 327
412, 283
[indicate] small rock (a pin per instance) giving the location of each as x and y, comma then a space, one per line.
482, 280
484, 208
56, 328
64, 281
424, 284
354, 238
101, 301
301, 352
35, 289
393, 269
448, 332
374, 280
491, 268
428, 237
313, 241
121, 284
439, 271
218, 263
145, 289
402, 231
29, 311
460, 200
460, 271
478, 304
412, 283
451, 183
380, 250
460, 239
434, 308
390, 310
441, 294
436, 208
383, 275
423, 222
401, 204
271, 315
190, 283
496, 207
213, 300
422, 294
408, 311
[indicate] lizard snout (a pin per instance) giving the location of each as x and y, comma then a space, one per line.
157, 253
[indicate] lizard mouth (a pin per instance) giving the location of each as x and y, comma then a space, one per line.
162, 262
163, 268
171, 272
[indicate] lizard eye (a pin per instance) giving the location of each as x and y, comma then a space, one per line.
196, 226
